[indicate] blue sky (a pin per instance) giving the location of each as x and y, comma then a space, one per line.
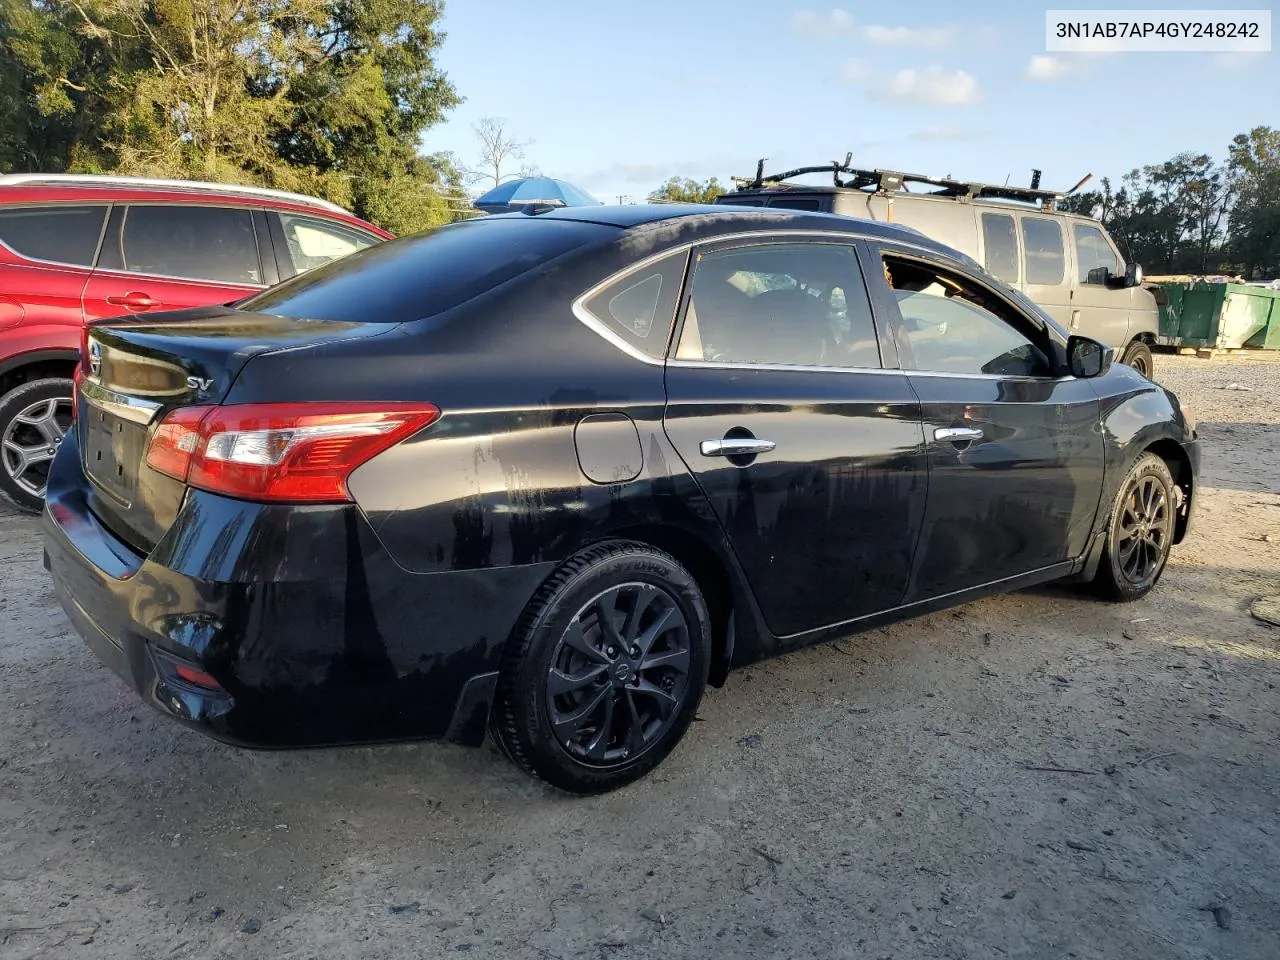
619, 96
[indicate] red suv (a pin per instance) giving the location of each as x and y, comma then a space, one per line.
76, 248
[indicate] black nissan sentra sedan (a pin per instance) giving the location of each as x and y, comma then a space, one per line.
549, 474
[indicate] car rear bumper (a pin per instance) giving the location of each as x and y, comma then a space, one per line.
314, 634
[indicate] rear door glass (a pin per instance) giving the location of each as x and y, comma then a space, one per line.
1001, 246
1042, 248
216, 244
58, 233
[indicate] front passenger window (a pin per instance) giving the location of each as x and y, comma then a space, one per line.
797, 304
949, 325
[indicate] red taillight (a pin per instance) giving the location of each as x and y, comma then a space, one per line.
196, 677
83, 366
175, 441
295, 452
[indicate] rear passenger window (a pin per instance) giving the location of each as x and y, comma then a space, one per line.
1001, 246
802, 304
641, 305
1042, 247
196, 243
62, 234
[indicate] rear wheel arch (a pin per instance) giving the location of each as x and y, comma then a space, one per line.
55, 364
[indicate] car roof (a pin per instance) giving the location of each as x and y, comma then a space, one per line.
69, 189
705, 221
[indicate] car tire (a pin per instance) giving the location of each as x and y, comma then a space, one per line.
33, 418
1139, 532
1138, 356
605, 670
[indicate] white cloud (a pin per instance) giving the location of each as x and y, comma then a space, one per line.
934, 87
947, 134
855, 71
822, 24
1237, 60
1043, 67
910, 36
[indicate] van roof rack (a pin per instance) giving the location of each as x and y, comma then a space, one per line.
194, 186
891, 181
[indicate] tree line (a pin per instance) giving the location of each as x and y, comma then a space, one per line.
1193, 214
324, 97
1189, 214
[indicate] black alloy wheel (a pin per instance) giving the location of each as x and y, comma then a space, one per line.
618, 674
605, 670
1141, 531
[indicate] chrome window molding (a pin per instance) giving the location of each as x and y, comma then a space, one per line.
602, 329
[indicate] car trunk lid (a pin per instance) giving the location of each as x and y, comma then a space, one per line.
141, 369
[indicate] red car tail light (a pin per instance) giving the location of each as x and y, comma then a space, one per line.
291, 452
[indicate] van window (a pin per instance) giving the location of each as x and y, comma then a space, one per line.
1095, 260
1001, 246
61, 233
1042, 248
797, 203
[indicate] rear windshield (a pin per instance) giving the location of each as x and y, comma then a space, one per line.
426, 274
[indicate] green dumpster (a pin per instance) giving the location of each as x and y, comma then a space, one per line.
1221, 315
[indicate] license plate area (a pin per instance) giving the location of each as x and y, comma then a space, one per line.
113, 448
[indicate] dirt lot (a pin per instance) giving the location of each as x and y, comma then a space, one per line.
872, 798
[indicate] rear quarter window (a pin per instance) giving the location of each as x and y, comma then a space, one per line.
423, 275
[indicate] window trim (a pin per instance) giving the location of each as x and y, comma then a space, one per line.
124, 222
603, 328
1050, 345
1068, 253
106, 205
870, 247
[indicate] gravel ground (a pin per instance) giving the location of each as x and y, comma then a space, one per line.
872, 798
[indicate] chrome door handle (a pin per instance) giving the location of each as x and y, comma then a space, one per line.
957, 433
735, 447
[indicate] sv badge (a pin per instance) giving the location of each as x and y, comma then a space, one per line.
197, 383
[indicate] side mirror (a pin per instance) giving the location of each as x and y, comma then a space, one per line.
1132, 275
1088, 358
1100, 276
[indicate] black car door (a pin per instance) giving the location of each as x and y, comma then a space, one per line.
1015, 451
808, 450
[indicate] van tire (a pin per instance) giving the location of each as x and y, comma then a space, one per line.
1138, 356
